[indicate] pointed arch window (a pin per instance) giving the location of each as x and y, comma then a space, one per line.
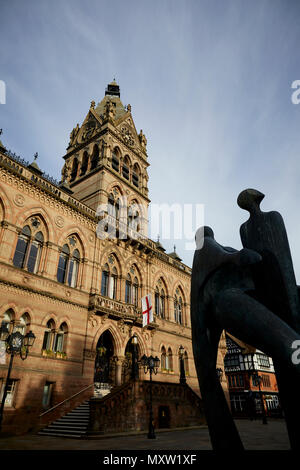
117, 209
35, 253
68, 266
109, 280
74, 169
133, 217
60, 338
8, 319
85, 163
28, 251
163, 359
178, 308
115, 161
95, 157
180, 311
73, 268
135, 291
24, 324
160, 302
125, 168
136, 176
63, 263
157, 301
49, 336
170, 360
112, 285
22, 247
111, 206
104, 281
128, 293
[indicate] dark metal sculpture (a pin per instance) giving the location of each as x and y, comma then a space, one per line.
276, 288
227, 293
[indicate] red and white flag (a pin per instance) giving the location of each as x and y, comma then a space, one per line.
147, 310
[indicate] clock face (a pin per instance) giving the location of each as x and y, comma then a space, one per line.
127, 136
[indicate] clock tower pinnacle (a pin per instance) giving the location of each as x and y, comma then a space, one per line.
107, 159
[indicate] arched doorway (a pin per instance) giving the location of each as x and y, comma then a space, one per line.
132, 352
164, 417
104, 365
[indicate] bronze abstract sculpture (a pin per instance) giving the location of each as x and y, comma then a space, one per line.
234, 290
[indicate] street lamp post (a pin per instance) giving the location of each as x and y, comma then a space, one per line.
257, 379
150, 364
15, 343
134, 364
182, 370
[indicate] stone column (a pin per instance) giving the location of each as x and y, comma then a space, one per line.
119, 366
51, 262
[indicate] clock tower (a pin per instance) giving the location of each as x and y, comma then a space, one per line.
106, 161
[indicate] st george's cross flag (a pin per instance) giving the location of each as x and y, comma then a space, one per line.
147, 310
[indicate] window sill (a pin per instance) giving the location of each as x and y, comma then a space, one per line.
53, 354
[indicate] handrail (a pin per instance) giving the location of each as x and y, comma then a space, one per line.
118, 389
67, 399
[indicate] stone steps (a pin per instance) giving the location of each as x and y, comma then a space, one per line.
75, 423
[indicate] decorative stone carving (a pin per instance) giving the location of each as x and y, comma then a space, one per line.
89, 354
89, 130
19, 200
65, 172
93, 321
59, 221
73, 134
110, 110
142, 139
127, 136
123, 328
104, 318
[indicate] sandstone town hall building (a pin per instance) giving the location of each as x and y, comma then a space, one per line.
79, 293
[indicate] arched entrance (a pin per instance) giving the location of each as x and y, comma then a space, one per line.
104, 365
132, 353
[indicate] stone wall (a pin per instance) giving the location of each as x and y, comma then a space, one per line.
127, 408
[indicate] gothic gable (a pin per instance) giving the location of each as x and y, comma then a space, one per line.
127, 131
90, 126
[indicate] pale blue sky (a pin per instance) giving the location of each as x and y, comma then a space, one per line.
209, 83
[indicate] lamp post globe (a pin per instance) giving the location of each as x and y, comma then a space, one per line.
15, 343
151, 365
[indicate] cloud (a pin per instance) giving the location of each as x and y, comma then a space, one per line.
208, 81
